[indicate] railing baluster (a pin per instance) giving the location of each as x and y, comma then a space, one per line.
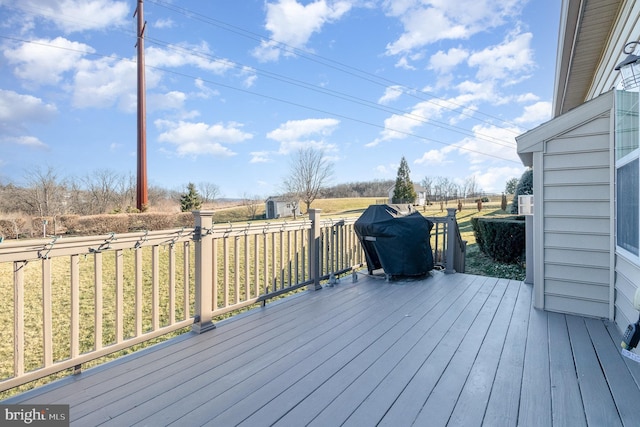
47, 320
247, 273
172, 284
265, 261
281, 259
97, 302
214, 275
289, 269
138, 281
75, 306
155, 287
236, 269
296, 252
119, 262
18, 317
225, 257
274, 279
186, 282
256, 268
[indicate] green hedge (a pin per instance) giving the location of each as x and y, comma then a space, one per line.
503, 239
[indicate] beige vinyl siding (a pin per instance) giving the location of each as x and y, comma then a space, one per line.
577, 219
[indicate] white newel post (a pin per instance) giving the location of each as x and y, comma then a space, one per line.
203, 271
314, 249
451, 236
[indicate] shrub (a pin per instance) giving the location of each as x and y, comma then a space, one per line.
12, 228
151, 221
503, 239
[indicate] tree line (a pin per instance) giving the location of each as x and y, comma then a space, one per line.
48, 194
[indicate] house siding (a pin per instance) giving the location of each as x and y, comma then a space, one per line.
576, 211
577, 175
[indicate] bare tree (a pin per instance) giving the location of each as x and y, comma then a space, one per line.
127, 187
46, 194
252, 204
309, 171
208, 191
471, 186
427, 184
102, 186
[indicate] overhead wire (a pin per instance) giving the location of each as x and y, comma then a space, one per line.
309, 86
333, 93
356, 72
271, 97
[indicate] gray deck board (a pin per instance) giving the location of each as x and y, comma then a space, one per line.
444, 350
535, 394
565, 391
472, 401
504, 400
596, 396
624, 391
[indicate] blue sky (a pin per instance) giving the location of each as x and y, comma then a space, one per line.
234, 88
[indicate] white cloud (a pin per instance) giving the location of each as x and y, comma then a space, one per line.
44, 61
187, 54
400, 126
404, 64
431, 157
509, 61
194, 139
454, 20
18, 112
27, 141
391, 94
74, 15
293, 24
494, 179
443, 62
295, 134
164, 23
527, 97
18, 108
107, 82
535, 113
260, 157
490, 143
173, 100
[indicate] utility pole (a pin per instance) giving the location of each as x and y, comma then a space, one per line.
142, 198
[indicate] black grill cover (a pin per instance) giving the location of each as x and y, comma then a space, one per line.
396, 239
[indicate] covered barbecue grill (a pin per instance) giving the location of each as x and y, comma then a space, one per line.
395, 238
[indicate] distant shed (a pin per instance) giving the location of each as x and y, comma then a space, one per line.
281, 208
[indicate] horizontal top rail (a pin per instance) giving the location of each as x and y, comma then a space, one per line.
32, 249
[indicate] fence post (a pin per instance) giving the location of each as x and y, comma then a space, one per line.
451, 239
203, 271
314, 249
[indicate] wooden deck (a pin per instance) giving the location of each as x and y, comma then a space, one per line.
456, 350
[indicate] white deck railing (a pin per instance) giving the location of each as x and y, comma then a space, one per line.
69, 300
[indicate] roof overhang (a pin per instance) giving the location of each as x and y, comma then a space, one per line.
585, 28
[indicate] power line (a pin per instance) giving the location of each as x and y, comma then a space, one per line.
345, 68
337, 94
281, 100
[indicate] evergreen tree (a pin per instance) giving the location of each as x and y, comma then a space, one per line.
190, 201
525, 186
403, 191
